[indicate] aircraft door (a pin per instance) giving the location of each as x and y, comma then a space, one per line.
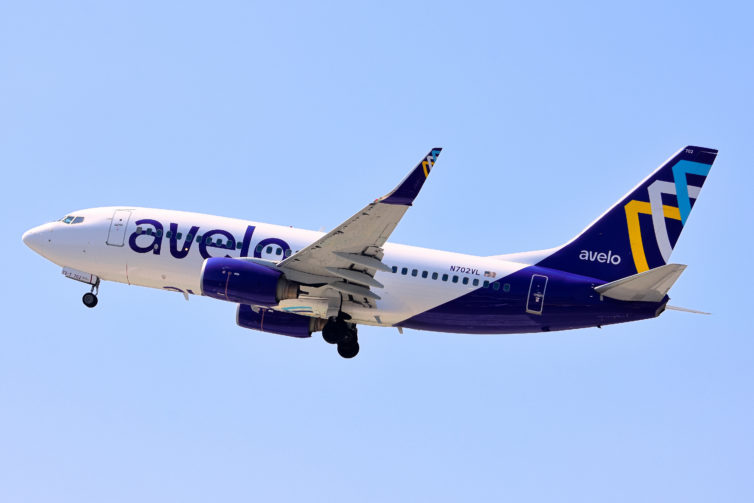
116, 236
536, 299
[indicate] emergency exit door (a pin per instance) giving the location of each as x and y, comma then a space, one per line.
536, 300
116, 236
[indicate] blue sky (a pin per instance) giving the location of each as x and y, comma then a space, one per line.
300, 113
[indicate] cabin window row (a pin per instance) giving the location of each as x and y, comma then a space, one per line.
455, 278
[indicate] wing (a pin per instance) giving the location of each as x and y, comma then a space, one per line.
347, 257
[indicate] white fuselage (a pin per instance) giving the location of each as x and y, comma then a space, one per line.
149, 247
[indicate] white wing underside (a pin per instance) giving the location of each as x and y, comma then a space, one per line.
341, 264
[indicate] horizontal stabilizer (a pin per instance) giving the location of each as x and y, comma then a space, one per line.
648, 286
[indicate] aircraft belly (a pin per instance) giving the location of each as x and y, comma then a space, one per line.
164, 272
567, 302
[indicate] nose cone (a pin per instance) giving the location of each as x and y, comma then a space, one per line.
38, 238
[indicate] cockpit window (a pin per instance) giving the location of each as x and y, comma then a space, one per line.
71, 219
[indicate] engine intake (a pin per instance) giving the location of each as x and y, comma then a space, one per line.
245, 282
268, 320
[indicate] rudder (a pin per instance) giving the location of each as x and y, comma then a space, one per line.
639, 232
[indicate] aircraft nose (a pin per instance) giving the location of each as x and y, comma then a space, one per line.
37, 238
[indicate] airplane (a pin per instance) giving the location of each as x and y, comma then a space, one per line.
296, 282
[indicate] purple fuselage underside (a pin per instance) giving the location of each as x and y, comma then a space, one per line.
534, 299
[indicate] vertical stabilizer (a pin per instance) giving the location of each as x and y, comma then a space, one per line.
639, 232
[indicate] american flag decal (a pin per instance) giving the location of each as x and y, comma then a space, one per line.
489, 274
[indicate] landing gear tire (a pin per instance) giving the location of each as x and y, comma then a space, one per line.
331, 333
348, 349
89, 299
339, 331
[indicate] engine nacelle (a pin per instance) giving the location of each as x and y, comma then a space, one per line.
245, 282
268, 320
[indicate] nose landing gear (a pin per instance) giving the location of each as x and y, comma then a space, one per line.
344, 334
90, 298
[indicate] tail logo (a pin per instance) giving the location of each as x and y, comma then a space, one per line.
683, 192
601, 257
429, 161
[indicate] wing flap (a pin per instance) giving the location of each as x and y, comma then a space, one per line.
367, 261
352, 289
356, 276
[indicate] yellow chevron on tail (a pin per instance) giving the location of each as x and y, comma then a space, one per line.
633, 208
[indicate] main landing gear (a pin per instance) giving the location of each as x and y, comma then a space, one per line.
339, 331
90, 298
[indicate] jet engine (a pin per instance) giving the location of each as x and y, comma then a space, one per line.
268, 320
245, 282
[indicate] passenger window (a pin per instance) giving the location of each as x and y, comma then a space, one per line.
486, 284
425, 274
179, 236
220, 243
78, 220
138, 230
288, 252
455, 279
507, 287
199, 238
159, 233
168, 234
239, 245
465, 280
445, 277
414, 272
395, 268
404, 271
269, 249
149, 232
279, 251
475, 282
434, 275
208, 240
259, 248
496, 286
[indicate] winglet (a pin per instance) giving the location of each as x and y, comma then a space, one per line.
409, 188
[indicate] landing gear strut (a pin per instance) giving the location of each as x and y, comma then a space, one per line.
339, 331
90, 298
